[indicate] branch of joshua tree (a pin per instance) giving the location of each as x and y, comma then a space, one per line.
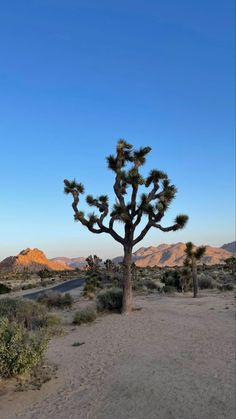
101, 203
138, 159
144, 231
180, 222
199, 252
79, 216
118, 162
118, 190
166, 229
111, 222
109, 230
75, 189
75, 201
133, 198
165, 197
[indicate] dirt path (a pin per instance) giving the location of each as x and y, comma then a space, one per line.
174, 359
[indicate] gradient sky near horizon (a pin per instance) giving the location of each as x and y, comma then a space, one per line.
76, 75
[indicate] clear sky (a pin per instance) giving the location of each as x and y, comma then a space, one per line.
76, 75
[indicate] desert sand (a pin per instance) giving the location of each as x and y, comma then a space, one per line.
174, 359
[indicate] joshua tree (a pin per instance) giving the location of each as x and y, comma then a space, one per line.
231, 264
93, 262
152, 204
109, 265
192, 257
185, 278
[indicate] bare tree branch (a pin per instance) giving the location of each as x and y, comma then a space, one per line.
143, 232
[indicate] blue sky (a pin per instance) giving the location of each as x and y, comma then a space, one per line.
77, 75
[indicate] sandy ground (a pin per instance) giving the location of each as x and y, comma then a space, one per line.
174, 359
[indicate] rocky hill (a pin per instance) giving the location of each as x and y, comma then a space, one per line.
78, 262
230, 247
32, 260
174, 255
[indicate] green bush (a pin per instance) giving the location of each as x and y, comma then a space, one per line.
68, 300
89, 288
206, 282
94, 280
172, 279
110, 300
226, 287
86, 315
137, 285
169, 289
151, 285
20, 351
30, 314
28, 286
45, 283
55, 299
45, 273
185, 280
4, 289
54, 325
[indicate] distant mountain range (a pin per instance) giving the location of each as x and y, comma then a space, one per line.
34, 260
174, 255
78, 262
162, 255
230, 247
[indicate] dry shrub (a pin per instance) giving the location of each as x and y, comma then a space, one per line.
54, 299
86, 315
110, 300
30, 314
205, 282
226, 287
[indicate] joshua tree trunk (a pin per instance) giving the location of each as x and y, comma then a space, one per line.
191, 261
127, 280
195, 280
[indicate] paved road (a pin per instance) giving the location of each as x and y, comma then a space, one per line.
64, 287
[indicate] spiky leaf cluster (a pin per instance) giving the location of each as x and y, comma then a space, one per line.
139, 156
101, 202
92, 219
73, 186
118, 212
199, 252
133, 177
155, 176
181, 220
193, 255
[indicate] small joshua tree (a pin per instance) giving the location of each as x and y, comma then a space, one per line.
152, 204
192, 257
231, 264
93, 262
109, 265
185, 278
